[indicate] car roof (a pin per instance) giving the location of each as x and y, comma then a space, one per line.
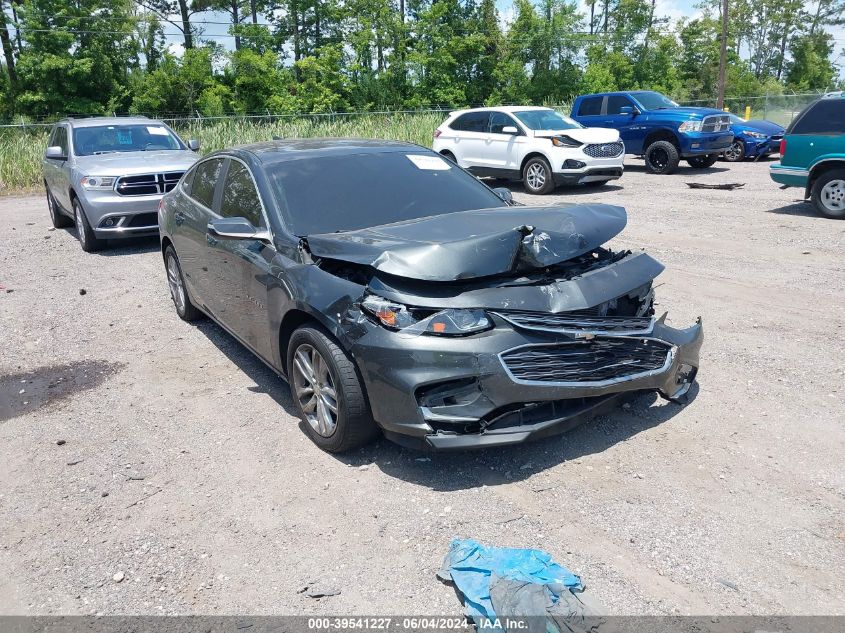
507, 109
97, 121
303, 148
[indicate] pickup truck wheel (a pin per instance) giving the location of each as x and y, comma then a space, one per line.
829, 194
703, 162
661, 157
327, 391
89, 242
59, 219
736, 152
537, 176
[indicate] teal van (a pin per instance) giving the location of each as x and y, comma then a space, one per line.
812, 155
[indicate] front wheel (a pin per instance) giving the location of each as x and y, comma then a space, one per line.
328, 392
661, 157
703, 162
89, 242
736, 152
829, 194
537, 176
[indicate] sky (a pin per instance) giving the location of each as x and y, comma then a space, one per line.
673, 9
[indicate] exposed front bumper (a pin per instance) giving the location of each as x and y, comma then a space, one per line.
113, 216
456, 393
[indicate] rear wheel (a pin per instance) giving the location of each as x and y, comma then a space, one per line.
736, 152
186, 310
829, 194
537, 176
328, 392
661, 157
703, 162
59, 219
89, 242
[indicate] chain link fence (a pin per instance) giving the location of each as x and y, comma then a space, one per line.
781, 108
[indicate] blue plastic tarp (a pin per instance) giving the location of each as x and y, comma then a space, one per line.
470, 566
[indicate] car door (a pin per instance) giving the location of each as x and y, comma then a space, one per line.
630, 130
503, 150
239, 269
56, 170
191, 215
470, 138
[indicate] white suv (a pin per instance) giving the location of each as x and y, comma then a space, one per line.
536, 145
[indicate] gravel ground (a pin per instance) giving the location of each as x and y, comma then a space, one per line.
150, 466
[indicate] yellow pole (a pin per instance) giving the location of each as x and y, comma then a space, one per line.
747, 112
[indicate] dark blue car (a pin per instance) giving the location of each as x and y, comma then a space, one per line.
753, 139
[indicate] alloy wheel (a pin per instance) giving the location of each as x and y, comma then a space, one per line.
80, 223
315, 390
734, 152
536, 176
659, 158
174, 280
833, 196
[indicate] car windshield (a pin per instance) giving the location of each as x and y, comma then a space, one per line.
330, 194
546, 120
105, 139
654, 101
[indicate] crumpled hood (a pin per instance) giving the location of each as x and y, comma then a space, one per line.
479, 243
583, 135
763, 126
133, 163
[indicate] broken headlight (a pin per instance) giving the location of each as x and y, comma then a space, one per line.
449, 322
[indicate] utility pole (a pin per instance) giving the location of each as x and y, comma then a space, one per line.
723, 56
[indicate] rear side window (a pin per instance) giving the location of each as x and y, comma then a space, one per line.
240, 199
590, 106
471, 122
615, 103
205, 179
826, 116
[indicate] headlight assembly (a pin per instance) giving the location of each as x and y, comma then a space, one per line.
99, 183
565, 141
755, 134
690, 126
449, 322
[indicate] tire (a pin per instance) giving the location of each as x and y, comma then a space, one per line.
537, 177
736, 152
449, 156
661, 157
595, 184
828, 194
703, 162
59, 219
89, 242
186, 310
350, 425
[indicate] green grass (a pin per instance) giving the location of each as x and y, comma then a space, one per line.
21, 150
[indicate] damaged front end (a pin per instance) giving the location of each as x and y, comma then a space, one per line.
462, 351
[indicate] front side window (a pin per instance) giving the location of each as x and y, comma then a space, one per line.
615, 103
471, 122
546, 120
329, 194
499, 121
825, 116
205, 179
107, 139
590, 106
240, 199
59, 138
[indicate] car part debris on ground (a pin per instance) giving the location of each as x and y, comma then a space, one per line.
728, 186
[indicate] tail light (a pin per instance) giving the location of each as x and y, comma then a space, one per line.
783, 146
436, 133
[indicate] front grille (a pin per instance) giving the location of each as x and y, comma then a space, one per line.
716, 123
147, 184
606, 150
579, 321
588, 361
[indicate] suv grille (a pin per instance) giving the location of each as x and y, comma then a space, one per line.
595, 360
579, 322
147, 184
605, 150
716, 123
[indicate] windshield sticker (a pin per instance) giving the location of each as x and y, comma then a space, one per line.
159, 131
124, 137
428, 162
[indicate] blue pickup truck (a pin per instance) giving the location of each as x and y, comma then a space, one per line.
655, 127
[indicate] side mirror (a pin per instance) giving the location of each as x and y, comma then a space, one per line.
627, 110
510, 129
236, 229
55, 152
193, 144
504, 193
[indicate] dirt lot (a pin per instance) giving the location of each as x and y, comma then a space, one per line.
132, 443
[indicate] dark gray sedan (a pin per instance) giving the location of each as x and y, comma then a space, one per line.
396, 292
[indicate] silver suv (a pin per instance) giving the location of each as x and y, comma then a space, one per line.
107, 175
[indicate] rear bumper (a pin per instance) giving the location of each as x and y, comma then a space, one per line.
442, 394
788, 175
